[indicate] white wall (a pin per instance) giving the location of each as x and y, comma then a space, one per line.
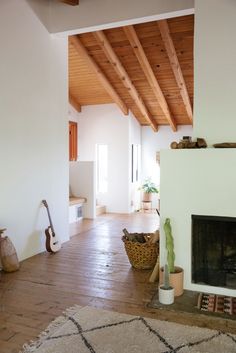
73, 114
82, 183
200, 182
153, 142
86, 16
33, 129
41, 9
105, 124
215, 73
150, 142
203, 181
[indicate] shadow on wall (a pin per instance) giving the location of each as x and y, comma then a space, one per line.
36, 239
41, 9
82, 183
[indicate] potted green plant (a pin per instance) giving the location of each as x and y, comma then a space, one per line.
148, 188
176, 274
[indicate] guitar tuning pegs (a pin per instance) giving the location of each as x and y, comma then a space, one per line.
2, 231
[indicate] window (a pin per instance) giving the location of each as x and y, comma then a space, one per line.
73, 149
101, 158
135, 163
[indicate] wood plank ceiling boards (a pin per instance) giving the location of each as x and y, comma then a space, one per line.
124, 77
170, 49
102, 78
132, 67
144, 63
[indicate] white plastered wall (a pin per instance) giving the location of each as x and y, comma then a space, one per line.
153, 142
33, 129
82, 183
108, 13
105, 124
95, 117
30, 57
203, 181
214, 71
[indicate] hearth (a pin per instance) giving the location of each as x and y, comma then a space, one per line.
214, 251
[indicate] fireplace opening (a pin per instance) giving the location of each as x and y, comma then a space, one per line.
214, 251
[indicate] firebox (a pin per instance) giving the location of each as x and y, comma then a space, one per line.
214, 251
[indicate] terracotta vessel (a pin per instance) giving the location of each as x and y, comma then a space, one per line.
147, 196
8, 255
176, 280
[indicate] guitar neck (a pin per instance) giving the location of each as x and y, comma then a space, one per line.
50, 220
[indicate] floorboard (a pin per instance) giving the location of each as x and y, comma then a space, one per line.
91, 269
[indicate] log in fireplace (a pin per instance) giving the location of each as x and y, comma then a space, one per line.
214, 251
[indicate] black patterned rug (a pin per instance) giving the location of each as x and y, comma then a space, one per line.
86, 329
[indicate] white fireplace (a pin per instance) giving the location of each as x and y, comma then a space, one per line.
203, 182
196, 182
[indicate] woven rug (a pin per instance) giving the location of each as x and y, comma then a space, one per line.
217, 303
86, 329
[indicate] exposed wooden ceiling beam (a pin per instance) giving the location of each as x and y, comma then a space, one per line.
147, 69
70, 2
78, 45
121, 72
74, 103
174, 62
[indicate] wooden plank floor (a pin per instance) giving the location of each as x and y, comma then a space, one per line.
91, 269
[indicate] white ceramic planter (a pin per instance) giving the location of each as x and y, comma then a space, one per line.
166, 296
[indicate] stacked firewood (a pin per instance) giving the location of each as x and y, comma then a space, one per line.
186, 142
149, 238
225, 145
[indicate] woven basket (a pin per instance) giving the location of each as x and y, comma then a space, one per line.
142, 256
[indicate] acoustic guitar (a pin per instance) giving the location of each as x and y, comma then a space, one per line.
52, 243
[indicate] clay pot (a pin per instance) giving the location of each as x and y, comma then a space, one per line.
8, 255
147, 196
176, 280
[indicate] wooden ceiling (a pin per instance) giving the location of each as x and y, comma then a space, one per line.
146, 68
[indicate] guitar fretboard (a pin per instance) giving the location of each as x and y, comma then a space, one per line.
49, 216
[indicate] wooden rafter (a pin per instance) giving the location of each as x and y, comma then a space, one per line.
70, 2
74, 103
174, 62
147, 69
78, 45
121, 72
